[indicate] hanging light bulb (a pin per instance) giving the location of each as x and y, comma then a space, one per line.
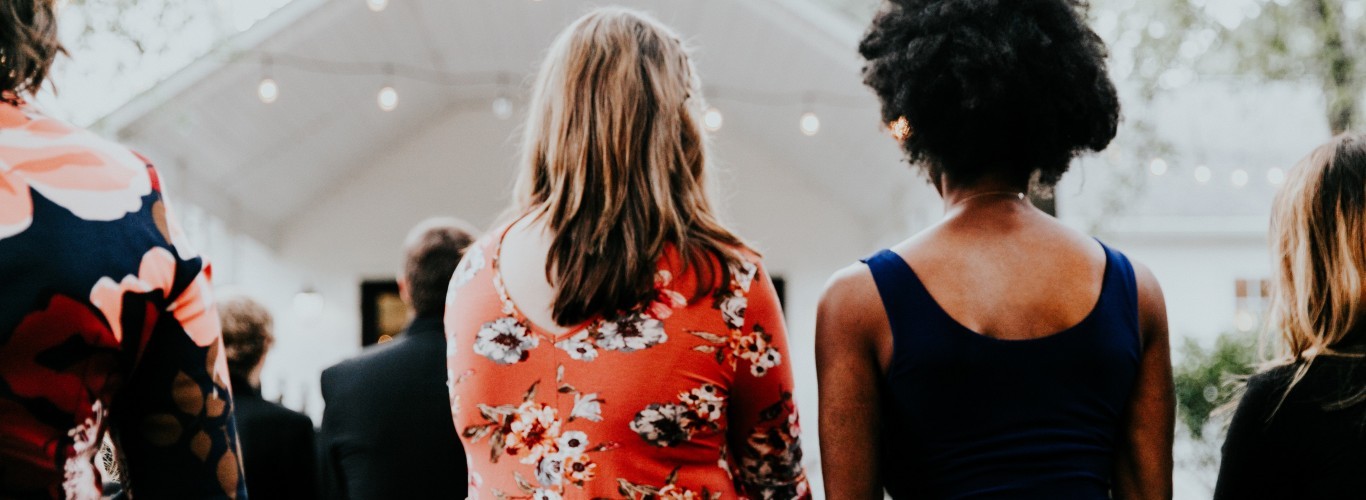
1275, 176
1202, 174
502, 107
1158, 167
712, 119
267, 90
810, 123
387, 98
377, 5
1239, 178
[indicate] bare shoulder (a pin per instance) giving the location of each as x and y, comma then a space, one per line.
850, 305
1149, 290
1152, 306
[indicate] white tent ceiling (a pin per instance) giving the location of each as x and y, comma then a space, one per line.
764, 63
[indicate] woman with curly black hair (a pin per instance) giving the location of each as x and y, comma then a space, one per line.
999, 353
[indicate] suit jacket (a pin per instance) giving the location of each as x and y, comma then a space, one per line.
387, 429
278, 451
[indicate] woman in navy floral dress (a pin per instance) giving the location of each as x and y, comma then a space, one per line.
106, 319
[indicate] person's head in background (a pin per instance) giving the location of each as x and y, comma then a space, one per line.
986, 95
248, 333
615, 165
430, 253
1318, 238
28, 44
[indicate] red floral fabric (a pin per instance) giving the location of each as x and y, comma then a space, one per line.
106, 325
677, 400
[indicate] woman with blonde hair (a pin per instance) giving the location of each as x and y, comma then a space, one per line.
1300, 429
614, 338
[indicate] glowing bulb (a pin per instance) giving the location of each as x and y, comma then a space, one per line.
1245, 321
1158, 166
712, 119
268, 91
377, 5
1239, 178
502, 108
1275, 176
810, 123
387, 98
1202, 174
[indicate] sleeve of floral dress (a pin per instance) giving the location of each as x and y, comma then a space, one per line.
173, 419
764, 436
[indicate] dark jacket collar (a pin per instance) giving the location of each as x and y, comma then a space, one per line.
242, 389
425, 325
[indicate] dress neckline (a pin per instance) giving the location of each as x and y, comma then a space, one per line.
510, 307
1105, 284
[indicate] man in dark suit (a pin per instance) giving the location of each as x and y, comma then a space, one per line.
278, 451
387, 430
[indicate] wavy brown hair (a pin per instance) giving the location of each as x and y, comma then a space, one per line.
28, 44
1318, 240
615, 165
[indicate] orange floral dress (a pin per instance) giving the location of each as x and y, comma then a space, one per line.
677, 400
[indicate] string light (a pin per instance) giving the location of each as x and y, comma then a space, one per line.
387, 98
377, 5
712, 119
1202, 174
1158, 167
267, 90
1239, 178
502, 107
1275, 176
810, 123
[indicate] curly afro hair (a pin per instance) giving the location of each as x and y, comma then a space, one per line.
999, 87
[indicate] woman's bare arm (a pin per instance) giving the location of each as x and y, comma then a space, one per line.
1143, 468
849, 366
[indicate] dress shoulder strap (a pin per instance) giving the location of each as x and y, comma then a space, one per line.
904, 297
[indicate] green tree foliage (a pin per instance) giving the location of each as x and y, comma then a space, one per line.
1173, 42
1208, 379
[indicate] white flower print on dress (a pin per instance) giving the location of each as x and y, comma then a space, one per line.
744, 275
543, 494
663, 425
505, 341
707, 402
550, 470
469, 267
579, 346
733, 310
587, 407
765, 362
79, 479
573, 443
579, 469
534, 430
666, 299
631, 333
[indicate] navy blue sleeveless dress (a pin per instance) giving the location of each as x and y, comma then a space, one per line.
970, 416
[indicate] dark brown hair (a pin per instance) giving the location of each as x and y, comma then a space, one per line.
615, 165
247, 333
28, 43
433, 250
